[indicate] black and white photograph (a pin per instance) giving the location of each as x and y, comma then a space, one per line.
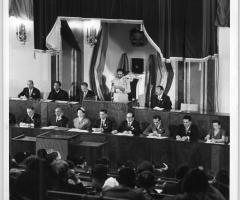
120, 100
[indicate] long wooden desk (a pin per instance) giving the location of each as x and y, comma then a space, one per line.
173, 118
121, 148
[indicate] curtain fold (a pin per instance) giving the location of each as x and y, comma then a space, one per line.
123, 63
21, 8
183, 28
223, 13
98, 60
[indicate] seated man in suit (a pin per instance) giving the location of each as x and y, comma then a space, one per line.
160, 101
155, 128
216, 134
104, 123
57, 93
129, 126
81, 122
32, 119
30, 92
58, 119
187, 131
85, 93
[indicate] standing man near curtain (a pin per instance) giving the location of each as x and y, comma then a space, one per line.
160, 101
30, 92
120, 87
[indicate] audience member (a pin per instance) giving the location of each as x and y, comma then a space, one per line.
104, 123
216, 134
155, 128
57, 93
32, 119
85, 93
67, 181
176, 188
30, 92
222, 183
42, 154
187, 131
99, 176
129, 126
58, 119
125, 190
81, 122
160, 101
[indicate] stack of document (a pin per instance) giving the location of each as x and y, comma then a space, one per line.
124, 134
78, 130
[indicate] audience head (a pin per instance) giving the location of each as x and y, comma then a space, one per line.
126, 177
42, 153
58, 112
77, 160
21, 156
30, 84
99, 175
120, 73
130, 117
57, 85
81, 112
60, 167
52, 156
84, 86
30, 111
159, 90
145, 166
181, 171
187, 121
195, 181
216, 125
103, 114
33, 163
145, 180
156, 120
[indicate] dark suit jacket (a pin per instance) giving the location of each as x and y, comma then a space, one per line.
107, 127
152, 128
60, 123
36, 120
165, 102
192, 132
61, 95
135, 127
90, 95
35, 93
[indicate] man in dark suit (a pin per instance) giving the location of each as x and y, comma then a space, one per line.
85, 93
160, 101
187, 131
59, 119
57, 93
104, 122
129, 126
155, 128
32, 118
30, 92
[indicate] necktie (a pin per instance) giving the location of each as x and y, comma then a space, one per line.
129, 124
30, 92
84, 94
101, 124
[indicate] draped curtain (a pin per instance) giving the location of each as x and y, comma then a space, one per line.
183, 28
97, 80
21, 8
123, 63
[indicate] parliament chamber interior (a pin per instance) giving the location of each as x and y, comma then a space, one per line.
118, 99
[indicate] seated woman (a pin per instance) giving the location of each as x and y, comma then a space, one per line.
81, 122
216, 134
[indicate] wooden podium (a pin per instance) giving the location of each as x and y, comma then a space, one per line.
57, 140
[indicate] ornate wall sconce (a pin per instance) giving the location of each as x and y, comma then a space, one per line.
93, 27
21, 33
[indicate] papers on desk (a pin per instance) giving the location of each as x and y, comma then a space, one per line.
212, 142
97, 132
139, 107
15, 98
48, 127
124, 134
46, 100
156, 137
73, 102
61, 101
78, 130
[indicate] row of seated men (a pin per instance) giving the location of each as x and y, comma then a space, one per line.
32, 176
159, 100
187, 131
